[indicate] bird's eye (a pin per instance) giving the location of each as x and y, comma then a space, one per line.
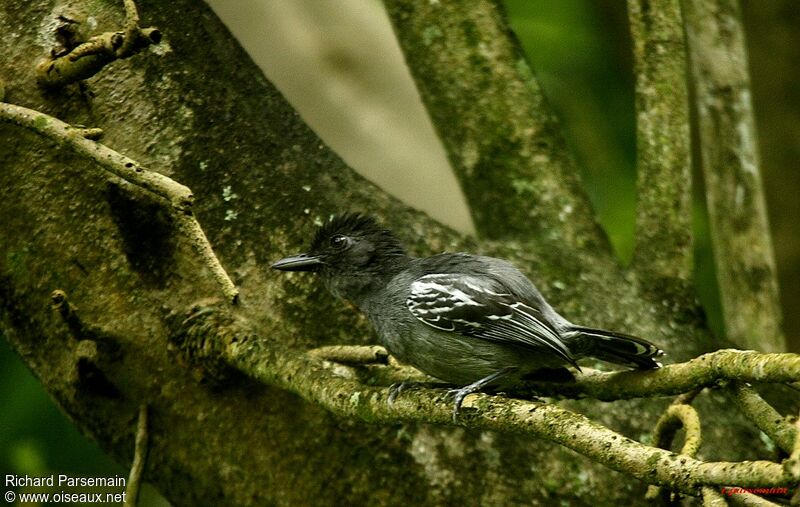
339, 241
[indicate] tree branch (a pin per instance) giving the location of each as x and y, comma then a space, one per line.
792, 465
89, 57
728, 145
90, 253
764, 416
222, 337
131, 28
65, 135
507, 150
678, 415
664, 176
712, 497
347, 354
347, 398
703, 371
708, 370
178, 196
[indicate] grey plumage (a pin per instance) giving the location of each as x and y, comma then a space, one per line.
464, 319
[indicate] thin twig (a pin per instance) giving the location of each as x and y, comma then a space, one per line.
91, 133
191, 229
120, 165
179, 196
81, 331
352, 355
792, 465
713, 498
748, 499
677, 416
90, 57
139, 459
687, 398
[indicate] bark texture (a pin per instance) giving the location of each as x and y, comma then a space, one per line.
729, 147
664, 169
507, 149
196, 109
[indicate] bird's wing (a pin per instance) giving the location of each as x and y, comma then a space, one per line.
483, 308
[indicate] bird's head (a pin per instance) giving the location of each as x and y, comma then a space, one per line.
352, 252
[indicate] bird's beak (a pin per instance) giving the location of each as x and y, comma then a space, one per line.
301, 262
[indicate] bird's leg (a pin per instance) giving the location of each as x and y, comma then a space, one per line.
399, 387
459, 394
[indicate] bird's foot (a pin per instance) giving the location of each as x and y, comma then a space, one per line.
458, 396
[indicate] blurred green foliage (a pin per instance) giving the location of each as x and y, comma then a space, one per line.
581, 55
581, 52
35, 437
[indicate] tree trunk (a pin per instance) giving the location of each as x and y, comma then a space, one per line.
196, 109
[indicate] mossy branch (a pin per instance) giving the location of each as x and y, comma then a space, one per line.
352, 355
178, 196
664, 172
709, 370
74, 138
507, 150
217, 336
678, 415
132, 30
792, 465
89, 57
764, 416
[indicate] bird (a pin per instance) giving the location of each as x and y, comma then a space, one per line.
471, 321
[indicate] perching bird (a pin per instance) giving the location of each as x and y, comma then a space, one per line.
468, 320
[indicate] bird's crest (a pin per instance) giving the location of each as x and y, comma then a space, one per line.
357, 226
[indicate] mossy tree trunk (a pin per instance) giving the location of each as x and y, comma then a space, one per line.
197, 110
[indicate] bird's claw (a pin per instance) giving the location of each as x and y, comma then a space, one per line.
458, 396
398, 387
394, 390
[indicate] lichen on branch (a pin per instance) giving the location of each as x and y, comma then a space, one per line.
707, 370
212, 334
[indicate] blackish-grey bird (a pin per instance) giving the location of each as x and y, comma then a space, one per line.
468, 320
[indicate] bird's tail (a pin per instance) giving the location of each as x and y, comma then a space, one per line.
615, 347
